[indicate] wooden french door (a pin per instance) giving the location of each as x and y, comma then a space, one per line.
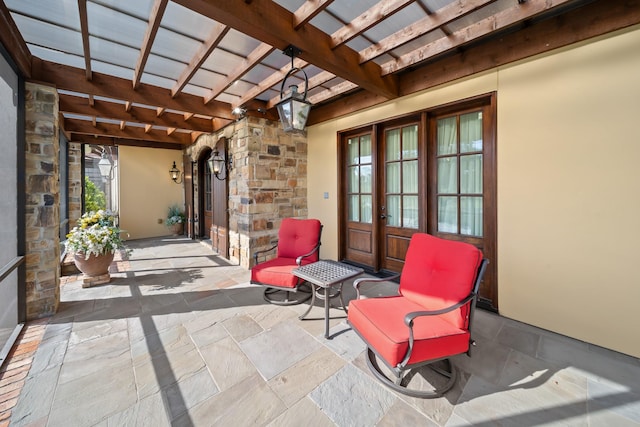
205, 196
432, 172
219, 205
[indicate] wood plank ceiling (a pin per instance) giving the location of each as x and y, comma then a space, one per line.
159, 73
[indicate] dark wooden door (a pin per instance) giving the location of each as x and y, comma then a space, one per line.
188, 196
398, 188
462, 183
205, 196
220, 206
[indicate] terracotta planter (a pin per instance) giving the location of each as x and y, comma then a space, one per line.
177, 229
95, 265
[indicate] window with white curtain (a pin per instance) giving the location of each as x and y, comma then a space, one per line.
459, 164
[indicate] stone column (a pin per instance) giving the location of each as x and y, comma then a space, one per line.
42, 201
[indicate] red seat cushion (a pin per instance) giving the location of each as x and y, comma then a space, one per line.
380, 322
276, 272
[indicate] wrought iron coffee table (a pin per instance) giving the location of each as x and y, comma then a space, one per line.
325, 274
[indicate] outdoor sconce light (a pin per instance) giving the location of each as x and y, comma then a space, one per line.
175, 174
105, 167
219, 166
293, 110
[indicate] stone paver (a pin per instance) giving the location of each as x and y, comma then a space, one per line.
180, 338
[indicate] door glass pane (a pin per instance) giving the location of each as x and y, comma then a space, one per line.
365, 179
352, 151
366, 209
447, 214
471, 174
365, 149
410, 211
354, 208
393, 211
393, 144
471, 132
448, 175
393, 177
410, 176
447, 136
353, 179
471, 216
410, 142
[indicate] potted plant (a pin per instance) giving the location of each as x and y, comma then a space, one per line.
94, 242
175, 220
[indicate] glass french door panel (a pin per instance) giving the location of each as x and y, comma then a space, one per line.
394, 212
471, 132
393, 177
353, 149
410, 176
471, 174
393, 145
448, 175
471, 216
410, 214
447, 136
365, 179
366, 209
353, 179
365, 149
448, 214
410, 142
354, 208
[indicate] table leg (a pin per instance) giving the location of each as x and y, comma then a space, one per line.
326, 312
313, 300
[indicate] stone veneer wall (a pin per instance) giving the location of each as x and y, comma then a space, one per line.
268, 182
42, 201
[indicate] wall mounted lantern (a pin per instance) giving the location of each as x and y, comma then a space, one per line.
219, 165
293, 110
105, 167
175, 174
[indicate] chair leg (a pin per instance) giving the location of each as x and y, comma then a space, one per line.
397, 383
269, 293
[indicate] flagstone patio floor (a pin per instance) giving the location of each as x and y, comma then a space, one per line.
180, 338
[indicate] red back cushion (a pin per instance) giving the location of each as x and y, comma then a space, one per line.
438, 273
298, 237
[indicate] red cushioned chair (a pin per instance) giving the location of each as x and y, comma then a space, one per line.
298, 244
430, 318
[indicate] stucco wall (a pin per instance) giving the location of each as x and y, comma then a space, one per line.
568, 143
148, 198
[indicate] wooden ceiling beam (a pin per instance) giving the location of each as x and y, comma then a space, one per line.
130, 132
308, 11
111, 141
13, 42
84, 31
155, 18
273, 24
315, 81
72, 79
216, 35
592, 20
253, 59
369, 18
269, 82
513, 15
429, 23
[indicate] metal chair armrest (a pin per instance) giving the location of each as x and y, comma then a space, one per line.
358, 282
410, 317
301, 257
258, 253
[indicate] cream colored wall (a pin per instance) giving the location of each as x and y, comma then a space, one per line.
568, 143
146, 190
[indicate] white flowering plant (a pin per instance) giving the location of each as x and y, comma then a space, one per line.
96, 234
174, 215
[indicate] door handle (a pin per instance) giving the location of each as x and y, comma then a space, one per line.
383, 216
